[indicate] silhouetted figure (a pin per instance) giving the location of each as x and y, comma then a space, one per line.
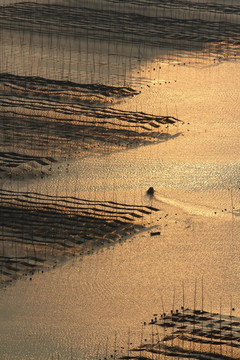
150, 191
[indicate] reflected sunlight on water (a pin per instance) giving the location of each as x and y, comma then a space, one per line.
180, 63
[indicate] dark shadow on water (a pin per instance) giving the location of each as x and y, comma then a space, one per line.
45, 228
44, 119
183, 25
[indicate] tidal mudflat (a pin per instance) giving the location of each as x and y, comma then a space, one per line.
101, 100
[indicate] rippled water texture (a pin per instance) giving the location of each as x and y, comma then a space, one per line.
168, 117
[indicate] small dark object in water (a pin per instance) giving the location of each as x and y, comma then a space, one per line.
155, 233
150, 191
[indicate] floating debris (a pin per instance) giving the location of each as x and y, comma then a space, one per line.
155, 233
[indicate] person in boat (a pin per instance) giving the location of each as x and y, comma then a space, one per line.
150, 191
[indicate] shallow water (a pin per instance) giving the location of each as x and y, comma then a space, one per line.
200, 155
82, 307
85, 303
